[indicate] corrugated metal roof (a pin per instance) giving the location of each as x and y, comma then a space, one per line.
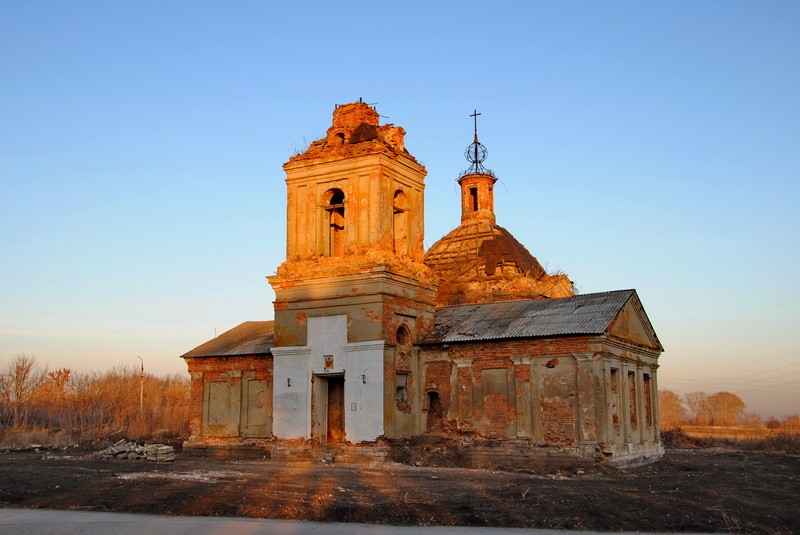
534, 318
249, 338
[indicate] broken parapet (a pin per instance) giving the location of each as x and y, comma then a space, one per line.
130, 450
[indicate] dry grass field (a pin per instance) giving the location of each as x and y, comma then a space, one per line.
737, 432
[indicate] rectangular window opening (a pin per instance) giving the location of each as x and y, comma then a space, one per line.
401, 391
632, 396
648, 402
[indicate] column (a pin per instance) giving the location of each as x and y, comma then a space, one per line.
656, 407
640, 402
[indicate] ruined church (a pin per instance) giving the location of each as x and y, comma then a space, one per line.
375, 339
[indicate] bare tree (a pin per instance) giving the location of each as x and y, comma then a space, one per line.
697, 403
726, 408
20, 378
671, 410
752, 420
83, 406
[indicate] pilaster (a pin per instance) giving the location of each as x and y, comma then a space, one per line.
586, 398
640, 402
522, 392
196, 406
464, 389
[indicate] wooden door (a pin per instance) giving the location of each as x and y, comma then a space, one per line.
335, 431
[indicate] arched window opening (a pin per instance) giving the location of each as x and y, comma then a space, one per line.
333, 203
403, 336
473, 199
399, 231
403, 363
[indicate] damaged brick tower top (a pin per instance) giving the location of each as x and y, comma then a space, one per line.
480, 261
353, 282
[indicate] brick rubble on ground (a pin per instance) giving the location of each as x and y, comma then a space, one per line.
134, 452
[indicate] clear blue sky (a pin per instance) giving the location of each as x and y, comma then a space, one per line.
647, 145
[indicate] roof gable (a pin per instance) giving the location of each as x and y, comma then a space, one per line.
587, 314
633, 324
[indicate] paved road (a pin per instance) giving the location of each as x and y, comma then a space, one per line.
39, 521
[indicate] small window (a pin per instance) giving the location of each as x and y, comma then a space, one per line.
401, 389
399, 202
403, 337
473, 197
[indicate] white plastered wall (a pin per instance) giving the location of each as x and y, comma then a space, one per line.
291, 402
363, 391
362, 366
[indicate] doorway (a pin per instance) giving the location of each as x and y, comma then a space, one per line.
435, 413
328, 408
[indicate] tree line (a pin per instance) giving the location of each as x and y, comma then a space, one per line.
76, 407
718, 409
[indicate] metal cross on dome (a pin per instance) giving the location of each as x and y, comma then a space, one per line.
476, 153
475, 116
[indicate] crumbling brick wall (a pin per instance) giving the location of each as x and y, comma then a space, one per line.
437, 400
558, 420
489, 385
244, 383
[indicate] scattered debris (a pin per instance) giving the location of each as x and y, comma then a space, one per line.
123, 449
199, 476
693, 488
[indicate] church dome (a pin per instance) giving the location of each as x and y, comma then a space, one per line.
480, 261
481, 249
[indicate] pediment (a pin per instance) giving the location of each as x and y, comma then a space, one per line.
632, 324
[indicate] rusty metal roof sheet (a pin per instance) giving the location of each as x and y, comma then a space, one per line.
533, 318
249, 338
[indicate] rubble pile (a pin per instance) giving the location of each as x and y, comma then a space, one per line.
134, 452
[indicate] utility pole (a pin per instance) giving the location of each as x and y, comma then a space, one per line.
141, 390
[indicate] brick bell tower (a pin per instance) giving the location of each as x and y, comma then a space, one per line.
353, 293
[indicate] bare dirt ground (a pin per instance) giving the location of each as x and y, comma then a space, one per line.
700, 489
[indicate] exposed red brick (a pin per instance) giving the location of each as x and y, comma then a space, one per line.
558, 421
